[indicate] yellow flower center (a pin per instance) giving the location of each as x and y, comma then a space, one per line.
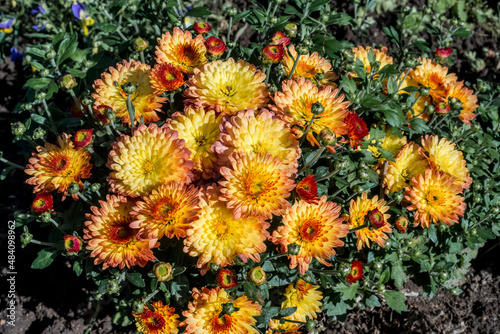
255, 186
405, 174
222, 229
310, 230
148, 167
433, 198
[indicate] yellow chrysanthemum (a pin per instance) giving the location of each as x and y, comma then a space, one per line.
150, 157
262, 133
202, 315
167, 211
316, 228
181, 50
286, 328
296, 100
306, 297
390, 142
228, 87
56, 167
108, 92
468, 99
162, 320
443, 156
435, 198
362, 54
200, 129
408, 164
422, 101
434, 76
358, 212
256, 185
111, 239
216, 237
308, 67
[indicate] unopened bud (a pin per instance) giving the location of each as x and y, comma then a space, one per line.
140, 44
67, 82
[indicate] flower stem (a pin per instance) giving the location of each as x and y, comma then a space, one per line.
309, 125
181, 14
313, 160
12, 164
295, 63
229, 28
49, 115
85, 199
327, 272
329, 175
338, 191
57, 226
274, 257
94, 317
360, 227
43, 243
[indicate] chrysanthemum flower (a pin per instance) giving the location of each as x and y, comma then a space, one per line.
202, 315
166, 78
228, 87
296, 100
263, 133
316, 228
181, 50
273, 53
101, 113
56, 167
163, 271
443, 156
226, 278
72, 244
202, 27
434, 76
162, 320
167, 211
402, 223
215, 46
390, 142
356, 129
443, 53
150, 157
408, 164
82, 138
435, 198
362, 54
256, 185
280, 38
283, 328
358, 212
43, 202
307, 189
468, 99
111, 239
216, 237
257, 275
356, 272
200, 129
442, 108
306, 297
108, 92
308, 67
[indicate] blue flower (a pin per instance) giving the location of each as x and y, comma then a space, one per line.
15, 55
38, 9
6, 27
38, 27
80, 12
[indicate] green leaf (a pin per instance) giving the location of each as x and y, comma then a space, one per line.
252, 292
45, 258
241, 16
398, 275
419, 125
267, 314
70, 122
106, 27
386, 154
384, 277
37, 83
288, 311
38, 118
77, 267
371, 101
431, 233
394, 117
392, 85
180, 289
348, 85
66, 48
5, 172
372, 301
198, 12
462, 32
340, 19
51, 89
396, 301
136, 279
348, 292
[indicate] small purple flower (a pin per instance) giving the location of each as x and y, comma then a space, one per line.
6, 27
38, 9
15, 55
79, 9
38, 27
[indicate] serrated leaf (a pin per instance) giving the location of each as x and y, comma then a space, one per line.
348, 292
267, 314
462, 32
45, 258
180, 289
398, 275
348, 85
384, 277
37, 83
386, 154
288, 311
394, 117
372, 301
198, 12
396, 301
136, 279
419, 125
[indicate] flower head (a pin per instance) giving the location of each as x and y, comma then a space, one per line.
15, 55
376, 219
443, 156
43, 202
216, 237
226, 278
362, 54
257, 275
6, 27
161, 320
181, 50
306, 297
468, 99
356, 272
358, 212
101, 113
256, 185
443, 53
316, 228
80, 13
82, 138
228, 87
56, 167
434, 76
390, 142
111, 239
356, 129
273, 53
279, 38
407, 164
307, 189
402, 223
202, 27
163, 271
435, 198
215, 46
108, 93
308, 67
166, 78
204, 313
150, 157
72, 244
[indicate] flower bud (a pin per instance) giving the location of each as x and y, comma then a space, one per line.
163, 271
455, 103
302, 49
402, 223
328, 137
44, 72
376, 218
95, 187
45, 217
101, 113
73, 188
443, 53
129, 88
442, 108
279, 38
51, 54
18, 129
82, 138
72, 244
232, 12
257, 275
39, 133
293, 249
273, 53
87, 100
341, 164
424, 91
317, 108
273, 20
40, 95
140, 44
26, 238
226, 278
320, 76
113, 287
215, 46
363, 174
67, 82
202, 27
228, 308
430, 109
483, 86
272, 88
291, 29
310, 325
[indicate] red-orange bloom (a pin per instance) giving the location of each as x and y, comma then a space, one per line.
402, 224
72, 244
356, 129
307, 189
165, 78
101, 112
215, 46
82, 138
280, 38
443, 53
274, 53
42, 203
376, 218
442, 108
226, 278
356, 272
202, 27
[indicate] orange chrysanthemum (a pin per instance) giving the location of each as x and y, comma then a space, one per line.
358, 212
434, 76
167, 211
408, 164
390, 142
181, 50
203, 313
273, 53
308, 67
111, 239
305, 297
82, 138
150, 157
280, 38
316, 228
217, 237
215, 46
307, 189
296, 100
356, 272
468, 99
56, 167
256, 185
443, 156
108, 92
263, 133
162, 320
362, 54
202, 27
228, 87
435, 198
356, 129
200, 129
166, 78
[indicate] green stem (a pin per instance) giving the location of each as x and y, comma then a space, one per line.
229, 28
172, 94
78, 103
329, 175
432, 120
181, 14
85, 199
338, 191
97, 156
327, 272
12, 164
151, 295
268, 72
53, 127
358, 228
442, 119
295, 63
57, 226
313, 160
309, 125
43, 243
131, 110
94, 317
143, 60
274, 257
